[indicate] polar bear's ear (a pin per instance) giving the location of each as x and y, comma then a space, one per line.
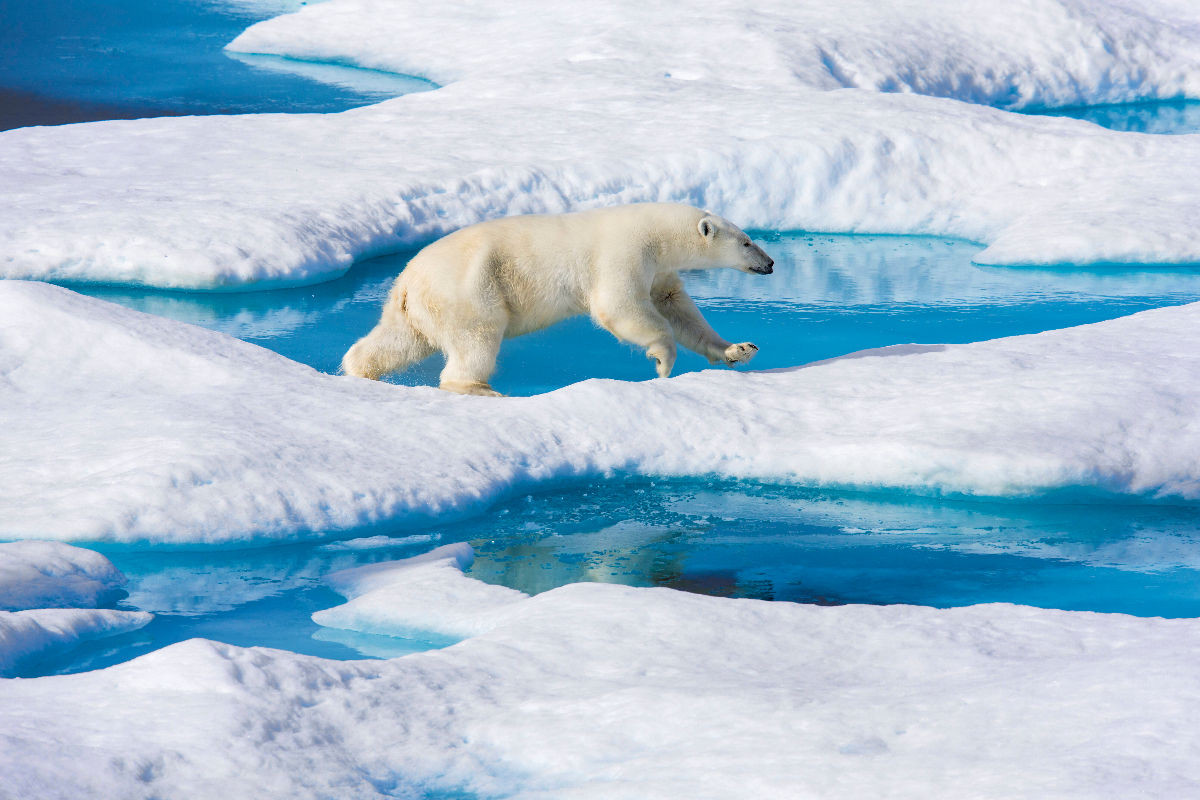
707, 228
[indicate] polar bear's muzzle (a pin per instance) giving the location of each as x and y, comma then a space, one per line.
764, 269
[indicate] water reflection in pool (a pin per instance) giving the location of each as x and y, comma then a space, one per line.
724, 538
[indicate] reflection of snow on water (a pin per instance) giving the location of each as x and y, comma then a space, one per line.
743, 540
914, 271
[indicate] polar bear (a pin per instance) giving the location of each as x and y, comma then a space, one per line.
467, 292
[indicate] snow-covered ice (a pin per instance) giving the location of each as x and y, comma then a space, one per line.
755, 132
28, 634
424, 593
39, 582
125, 426
1036, 53
596, 690
122, 426
35, 574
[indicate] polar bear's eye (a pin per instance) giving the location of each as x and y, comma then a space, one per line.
745, 244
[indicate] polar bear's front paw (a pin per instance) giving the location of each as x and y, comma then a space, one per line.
740, 353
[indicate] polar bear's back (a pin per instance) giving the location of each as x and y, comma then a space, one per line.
542, 266
573, 236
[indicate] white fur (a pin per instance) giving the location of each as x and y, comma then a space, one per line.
468, 291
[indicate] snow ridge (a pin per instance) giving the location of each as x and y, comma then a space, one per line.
188, 425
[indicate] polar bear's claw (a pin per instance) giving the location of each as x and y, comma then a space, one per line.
477, 388
740, 353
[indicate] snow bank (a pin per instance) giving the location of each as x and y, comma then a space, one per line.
595, 690
155, 429
736, 126
1038, 53
25, 635
55, 575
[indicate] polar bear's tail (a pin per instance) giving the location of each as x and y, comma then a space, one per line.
391, 346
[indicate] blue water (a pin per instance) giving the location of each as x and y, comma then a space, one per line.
78, 60
730, 539
72, 60
1160, 117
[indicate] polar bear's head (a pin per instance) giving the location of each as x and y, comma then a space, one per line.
727, 245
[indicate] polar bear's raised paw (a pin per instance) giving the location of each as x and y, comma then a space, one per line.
740, 353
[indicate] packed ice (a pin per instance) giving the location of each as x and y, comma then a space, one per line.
862, 116
597, 690
758, 132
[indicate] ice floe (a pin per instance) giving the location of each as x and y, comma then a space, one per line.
423, 593
38, 582
25, 635
595, 690
38, 574
1012, 54
125, 426
274, 200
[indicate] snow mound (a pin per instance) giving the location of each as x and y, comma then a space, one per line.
1037, 53
738, 123
37, 574
595, 690
25, 635
162, 431
425, 593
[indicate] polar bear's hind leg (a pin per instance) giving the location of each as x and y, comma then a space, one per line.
391, 346
471, 359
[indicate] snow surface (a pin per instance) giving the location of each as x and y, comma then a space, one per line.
37, 574
125, 426
616, 110
25, 635
605, 691
1032, 53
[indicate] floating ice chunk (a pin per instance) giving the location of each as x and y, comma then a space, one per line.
25, 635
37, 574
182, 434
426, 593
380, 542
